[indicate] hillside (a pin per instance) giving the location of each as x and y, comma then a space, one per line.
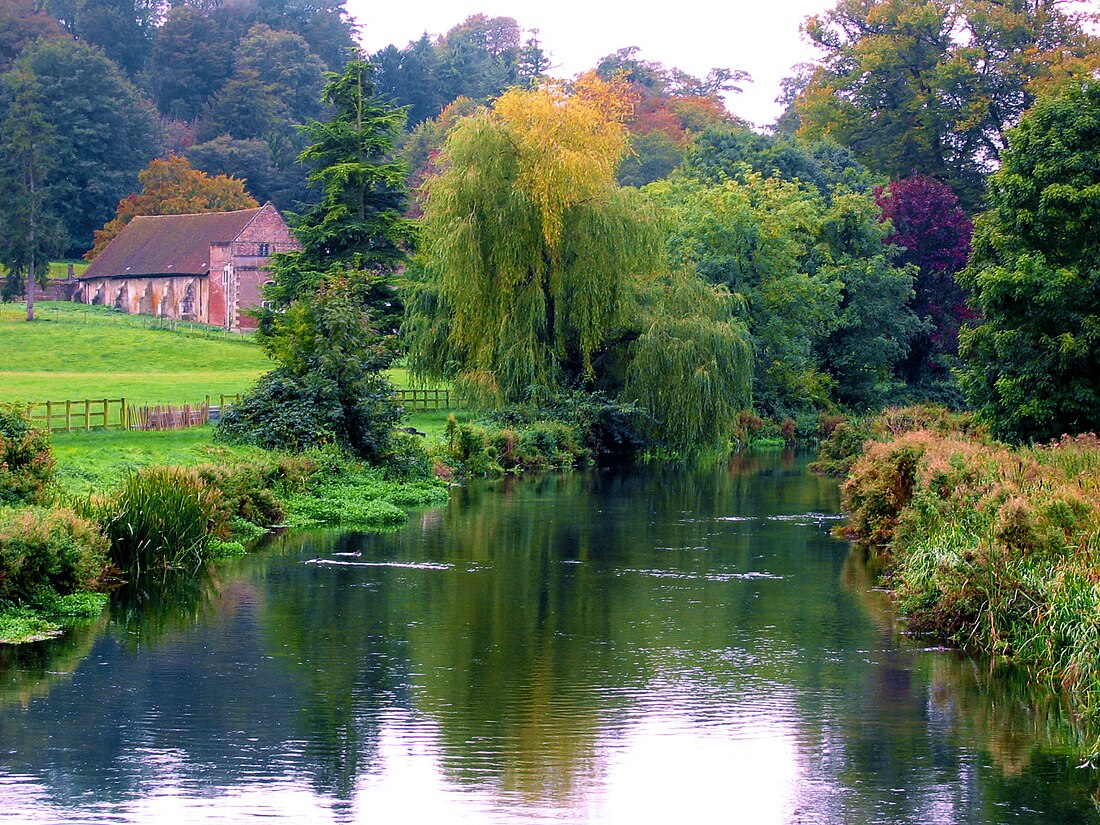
74, 351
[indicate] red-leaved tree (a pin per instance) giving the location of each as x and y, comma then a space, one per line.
934, 234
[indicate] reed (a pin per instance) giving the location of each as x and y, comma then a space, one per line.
161, 517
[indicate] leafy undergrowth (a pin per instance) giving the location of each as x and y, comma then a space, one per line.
356, 495
27, 623
991, 548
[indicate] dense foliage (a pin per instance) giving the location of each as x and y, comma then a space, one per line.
931, 87
30, 231
45, 553
103, 132
539, 272
330, 386
170, 186
933, 234
26, 460
989, 548
1031, 366
816, 286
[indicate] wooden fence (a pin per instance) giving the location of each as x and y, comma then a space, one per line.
427, 400
115, 414
85, 414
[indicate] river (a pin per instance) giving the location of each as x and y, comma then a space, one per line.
654, 646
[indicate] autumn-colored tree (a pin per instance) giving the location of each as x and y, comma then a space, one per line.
169, 186
933, 234
931, 86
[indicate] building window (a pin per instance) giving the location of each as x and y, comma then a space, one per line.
265, 250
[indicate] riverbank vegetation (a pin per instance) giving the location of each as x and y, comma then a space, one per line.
71, 529
988, 547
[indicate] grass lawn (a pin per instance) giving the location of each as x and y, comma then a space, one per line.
72, 352
94, 462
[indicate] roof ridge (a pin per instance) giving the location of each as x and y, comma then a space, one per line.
200, 214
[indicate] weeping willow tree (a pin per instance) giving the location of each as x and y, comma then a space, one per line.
691, 367
538, 272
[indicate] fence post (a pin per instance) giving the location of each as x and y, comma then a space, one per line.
123, 415
87, 414
49, 416
68, 416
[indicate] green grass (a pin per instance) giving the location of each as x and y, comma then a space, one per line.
60, 269
72, 352
97, 461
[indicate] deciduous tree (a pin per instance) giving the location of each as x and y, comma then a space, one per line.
1031, 366
930, 86
933, 234
105, 132
169, 186
30, 231
540, 273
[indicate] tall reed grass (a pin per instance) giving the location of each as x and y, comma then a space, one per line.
161, 517
991, 548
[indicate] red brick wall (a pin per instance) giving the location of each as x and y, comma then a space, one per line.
219, 255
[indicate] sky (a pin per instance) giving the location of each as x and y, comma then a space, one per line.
761, 37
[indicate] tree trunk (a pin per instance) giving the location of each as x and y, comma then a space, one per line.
30, 291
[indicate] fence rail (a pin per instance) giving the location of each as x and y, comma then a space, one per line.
73, 415
83, 414
115, 414
427, 400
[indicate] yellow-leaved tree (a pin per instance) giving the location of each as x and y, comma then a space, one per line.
539, 273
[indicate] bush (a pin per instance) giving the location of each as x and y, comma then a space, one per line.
26, 460
285, 411
162, 517
48, 551
250, 489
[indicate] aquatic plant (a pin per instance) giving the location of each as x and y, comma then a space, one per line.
161, 517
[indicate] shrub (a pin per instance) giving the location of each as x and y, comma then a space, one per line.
48, 551
161, 517
250, 490
26, 460
840, 449
286, 411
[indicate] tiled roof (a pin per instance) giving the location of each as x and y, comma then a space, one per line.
168, 244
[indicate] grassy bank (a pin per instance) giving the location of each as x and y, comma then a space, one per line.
990, 548
101, 507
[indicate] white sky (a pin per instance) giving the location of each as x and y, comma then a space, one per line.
761, 37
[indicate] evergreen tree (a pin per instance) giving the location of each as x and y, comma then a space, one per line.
30, 232
359, 224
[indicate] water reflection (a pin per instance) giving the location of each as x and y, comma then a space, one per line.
662, 645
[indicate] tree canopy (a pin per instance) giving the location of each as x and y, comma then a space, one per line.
540, 274
931, 87
169, 186
105, 132
1030, 367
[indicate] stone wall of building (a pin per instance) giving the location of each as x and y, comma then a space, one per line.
183, 297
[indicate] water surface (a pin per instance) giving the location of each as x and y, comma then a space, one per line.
654, 646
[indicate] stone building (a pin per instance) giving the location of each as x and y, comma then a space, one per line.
207, 267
